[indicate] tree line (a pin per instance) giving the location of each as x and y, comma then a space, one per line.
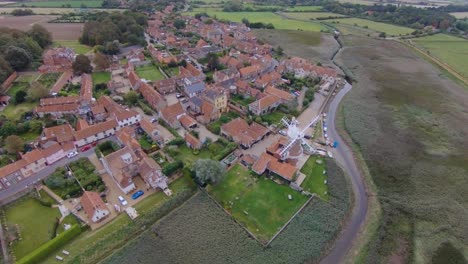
19, 49
109, 30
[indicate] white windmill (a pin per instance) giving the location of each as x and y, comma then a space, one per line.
296, 137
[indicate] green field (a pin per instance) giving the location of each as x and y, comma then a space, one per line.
264, 17
450, 50
74, 44
311, 15
303, 8
460, 15
101, 77
315, 178
390, 30
61, 3
149, 72
35, 223
258, 203
14, 111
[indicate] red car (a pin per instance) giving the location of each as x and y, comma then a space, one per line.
85, 148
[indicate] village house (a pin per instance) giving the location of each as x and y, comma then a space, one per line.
124, 117
12, 173
56, 111
190, 71
52, 152
86, 91
150, 129
227, 76
152, 175
122, 166
268, 163
35, 162
187, 121
264, 105
165, 86
242, 133
250, 72
171, 113
284, 96
218, 98
64, 79
193, 87
153, 97
96, 132
192, 142
61, 133
94, 207
57, 60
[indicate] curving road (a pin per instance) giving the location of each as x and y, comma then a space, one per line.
344, 156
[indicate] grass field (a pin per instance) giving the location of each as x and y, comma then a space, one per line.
35, 223
265, 17
390, 30
406, 118
14, 111
303, 8
199, 232
75, 45
259, 204
149, 72
460, 15
315, 178
61, 3
311, 15
450, 50
93, 246
101, 77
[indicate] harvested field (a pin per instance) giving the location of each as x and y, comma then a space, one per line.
460, 15
62, 31
409, 122
200, 232
40, 10
390, 30
315, 46
312, 15
61, 3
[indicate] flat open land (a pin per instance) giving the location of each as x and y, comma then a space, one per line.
101, 77
60, 31
264, 17
409, 122
200, 232
315, 177
303, 8
35, 224
258, 203
149, 72
41, 10
75, 45
449, 49
315, 46
460, 15
311, 15
389, 29
61, 3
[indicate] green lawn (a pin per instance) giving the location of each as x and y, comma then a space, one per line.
240, 99
173, 71
149, 72
16, 87
259, 204
61, 3
303, 8
264, 17
390, 30
450, 50
14, 112
312, 15
74, 44
101, 77
70, 220
28, 78
35, 223
87, 240
275, 118
188, 156
314, 181
49, 79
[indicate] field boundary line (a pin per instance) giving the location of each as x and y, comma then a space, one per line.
290, 220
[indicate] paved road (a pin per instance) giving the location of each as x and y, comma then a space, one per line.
344, 156
28, 182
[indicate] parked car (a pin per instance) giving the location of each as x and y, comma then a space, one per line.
179, 95
72, 154
122, 201
137, 194
154, 120
283, 132
85, 148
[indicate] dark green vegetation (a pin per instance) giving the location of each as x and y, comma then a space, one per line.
258, 203
409, 122
216, 150
19, 50
31, 221
67, 186
104, 28
202, 228
93, 246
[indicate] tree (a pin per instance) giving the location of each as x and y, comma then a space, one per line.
213, 61
37, 91
5, 69
245, 21
279, 51
131, 98
14, 144
112, 47
382, 35
20, 96
179, 24
208, 171
17, 57
40, 35
82, 64
101, 61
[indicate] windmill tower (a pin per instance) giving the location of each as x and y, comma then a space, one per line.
296, 137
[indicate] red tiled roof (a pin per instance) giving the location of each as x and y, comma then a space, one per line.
171, 112
95, 129
91, 201
279, 93
60, 100
192, 141
86, 91
62, 133
11, 168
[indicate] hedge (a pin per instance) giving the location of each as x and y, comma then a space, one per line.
46, 249
177, 141
170, 168
226, 151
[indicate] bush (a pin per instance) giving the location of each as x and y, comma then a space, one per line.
226, 151
170, 168
49, 247
176, 142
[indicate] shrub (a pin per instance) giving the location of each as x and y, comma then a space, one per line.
49, 247
170, 168
176, 142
